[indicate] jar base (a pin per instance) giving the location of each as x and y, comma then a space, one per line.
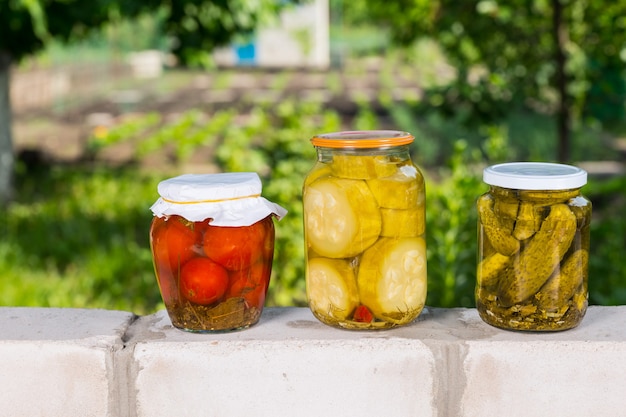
216, 331
232, 315
358, 325
510, 319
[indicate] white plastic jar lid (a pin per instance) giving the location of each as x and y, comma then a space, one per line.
229, 199
535, 176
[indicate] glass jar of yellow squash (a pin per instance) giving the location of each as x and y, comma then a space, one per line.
364, 225
533, 247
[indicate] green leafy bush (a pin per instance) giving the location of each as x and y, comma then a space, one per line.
79, 240
276, 145
78, 236
451, 231
607, 268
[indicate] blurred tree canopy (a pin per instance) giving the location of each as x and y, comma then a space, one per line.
561, 56
196, 27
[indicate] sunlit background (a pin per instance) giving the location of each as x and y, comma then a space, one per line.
108, 100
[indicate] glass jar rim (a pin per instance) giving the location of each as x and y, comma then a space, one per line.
535, 176
362, 139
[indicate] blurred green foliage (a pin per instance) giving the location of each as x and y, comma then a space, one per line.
190, 29
566, 57
78, 236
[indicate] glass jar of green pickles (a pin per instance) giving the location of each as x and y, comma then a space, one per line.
533, 247
364, 224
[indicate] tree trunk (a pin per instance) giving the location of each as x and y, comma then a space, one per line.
6, 143
563, 113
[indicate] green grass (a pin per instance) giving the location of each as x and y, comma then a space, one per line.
79, 237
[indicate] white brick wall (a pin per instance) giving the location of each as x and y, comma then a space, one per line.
71, 362
59, 362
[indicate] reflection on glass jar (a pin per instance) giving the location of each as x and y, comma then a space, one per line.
533, 247
364, 224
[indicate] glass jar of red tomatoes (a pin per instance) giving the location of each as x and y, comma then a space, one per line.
212, 242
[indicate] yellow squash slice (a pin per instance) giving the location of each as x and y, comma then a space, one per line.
341, 217
392, 279
362, 167
402, 190
403, 223
319, 170
331, 288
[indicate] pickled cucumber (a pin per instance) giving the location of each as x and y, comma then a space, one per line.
331, 287
519, 218
402, 190
499, 236
490, 268
527, 221
581, 208
563, 284
342, 218
506, 210
541, 255
362, 167
402, 223
548, 196
392, 279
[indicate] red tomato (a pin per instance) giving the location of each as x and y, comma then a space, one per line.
167, 284
237, 248
173, 242
362, 314
250, 284
256, 297
203, 281
200, 228
268, 249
